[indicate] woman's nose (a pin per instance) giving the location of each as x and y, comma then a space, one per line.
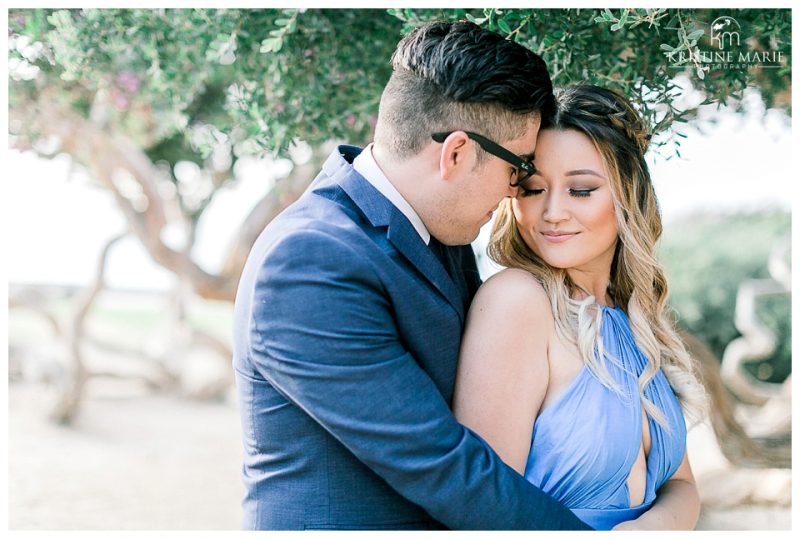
555, 209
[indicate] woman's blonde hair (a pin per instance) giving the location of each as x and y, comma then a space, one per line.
637, 283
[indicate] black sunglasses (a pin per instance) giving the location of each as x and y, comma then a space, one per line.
525, 169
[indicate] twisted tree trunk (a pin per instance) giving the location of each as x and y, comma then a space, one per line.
737, 446
113, 160
71, 386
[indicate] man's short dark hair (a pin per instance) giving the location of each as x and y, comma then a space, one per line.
459, 76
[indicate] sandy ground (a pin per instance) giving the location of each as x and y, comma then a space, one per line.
135, 460
130, 462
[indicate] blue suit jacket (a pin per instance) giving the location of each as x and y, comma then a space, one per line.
346, 339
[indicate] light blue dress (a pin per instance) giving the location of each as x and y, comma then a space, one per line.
585, 443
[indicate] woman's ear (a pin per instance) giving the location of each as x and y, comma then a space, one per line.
456, 155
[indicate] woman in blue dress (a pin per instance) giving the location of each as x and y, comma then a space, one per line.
571, 368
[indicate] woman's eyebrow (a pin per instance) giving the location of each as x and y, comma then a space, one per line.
584, 171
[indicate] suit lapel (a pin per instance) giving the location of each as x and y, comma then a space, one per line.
407, 241
400, 232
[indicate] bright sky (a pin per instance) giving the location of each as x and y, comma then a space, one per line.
58, 225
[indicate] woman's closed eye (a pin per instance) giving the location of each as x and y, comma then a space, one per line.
582, 192
530, 192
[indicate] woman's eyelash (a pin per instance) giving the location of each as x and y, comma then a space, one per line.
581, 192
578, 193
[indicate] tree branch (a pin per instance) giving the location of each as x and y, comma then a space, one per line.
72, 390
734, 442
111, 158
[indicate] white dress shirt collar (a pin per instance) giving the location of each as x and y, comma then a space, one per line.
366, 165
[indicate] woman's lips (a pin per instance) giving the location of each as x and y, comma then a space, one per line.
558, 237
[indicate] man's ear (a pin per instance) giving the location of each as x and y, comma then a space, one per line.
456, 154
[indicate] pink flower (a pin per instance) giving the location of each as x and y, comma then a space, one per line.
128, 81
119, 100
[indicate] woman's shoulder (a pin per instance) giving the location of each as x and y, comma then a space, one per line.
515, 282
516, 290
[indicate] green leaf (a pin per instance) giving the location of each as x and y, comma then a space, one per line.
270, 45
626, 75
616, 26
476, 20
665, 47
607, 15
504, 26
696, 35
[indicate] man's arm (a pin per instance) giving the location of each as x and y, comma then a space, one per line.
324, 335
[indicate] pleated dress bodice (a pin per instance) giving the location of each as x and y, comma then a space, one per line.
585, 443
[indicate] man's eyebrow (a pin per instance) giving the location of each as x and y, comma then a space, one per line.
584, 171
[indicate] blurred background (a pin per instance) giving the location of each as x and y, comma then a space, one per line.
148, 148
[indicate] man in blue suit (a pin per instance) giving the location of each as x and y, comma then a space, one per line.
352, 303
